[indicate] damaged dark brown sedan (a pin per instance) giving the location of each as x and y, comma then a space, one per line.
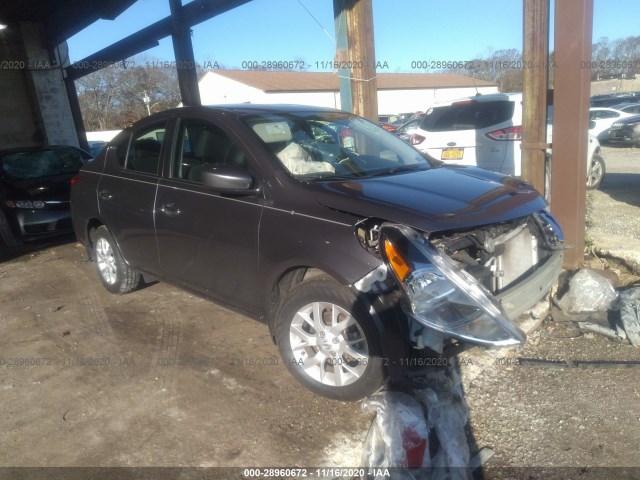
358, 252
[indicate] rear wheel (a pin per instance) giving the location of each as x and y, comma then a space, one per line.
115, 274
328, 341
596, 172
6, 234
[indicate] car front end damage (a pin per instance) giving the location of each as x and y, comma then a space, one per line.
464, 285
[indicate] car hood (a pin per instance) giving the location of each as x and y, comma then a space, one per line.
56, 187
627, 120
437, 199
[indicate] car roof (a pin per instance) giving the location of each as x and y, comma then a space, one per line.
624, 105
487, 97
9, 151
631, 119
271, 108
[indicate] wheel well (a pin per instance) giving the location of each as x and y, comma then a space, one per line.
285, 283
92, 226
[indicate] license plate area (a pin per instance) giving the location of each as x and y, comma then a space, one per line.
452, 154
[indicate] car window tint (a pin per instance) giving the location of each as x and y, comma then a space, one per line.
143, 154
470, 115
201, 144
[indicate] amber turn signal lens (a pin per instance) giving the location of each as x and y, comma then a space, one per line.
399, 265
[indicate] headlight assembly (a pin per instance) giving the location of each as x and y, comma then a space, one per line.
442, 296
27, 204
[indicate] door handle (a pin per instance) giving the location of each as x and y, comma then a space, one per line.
105, 195
170, 209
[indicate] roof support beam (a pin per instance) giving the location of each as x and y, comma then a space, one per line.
534, 94
573, 32
192, 14
357, 38
183, 53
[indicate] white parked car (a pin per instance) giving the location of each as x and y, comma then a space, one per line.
603, 118
486, 131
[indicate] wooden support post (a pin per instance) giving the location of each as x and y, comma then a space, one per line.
534, 94
357, 17
572, 83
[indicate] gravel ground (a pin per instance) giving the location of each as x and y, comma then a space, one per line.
218, 408
563, 416
614, 207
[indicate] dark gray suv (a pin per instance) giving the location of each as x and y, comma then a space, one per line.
360, 253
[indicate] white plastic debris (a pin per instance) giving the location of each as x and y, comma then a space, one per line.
630, 314
400, 433
588, 292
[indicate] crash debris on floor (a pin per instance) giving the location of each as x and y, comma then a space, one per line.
420, 432
591, 300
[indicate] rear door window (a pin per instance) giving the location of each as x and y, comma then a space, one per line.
143, 150
470, 115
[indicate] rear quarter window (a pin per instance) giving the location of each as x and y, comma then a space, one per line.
467, 116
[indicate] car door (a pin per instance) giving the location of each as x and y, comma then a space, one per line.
208, 240
127, 189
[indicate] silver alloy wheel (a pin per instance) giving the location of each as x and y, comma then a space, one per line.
328, 343
106, 261
595, 174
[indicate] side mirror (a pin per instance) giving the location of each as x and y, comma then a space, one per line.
227, 179
592, 124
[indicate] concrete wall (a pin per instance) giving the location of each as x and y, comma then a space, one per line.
20, 125
34, 105
217, 89
49, 87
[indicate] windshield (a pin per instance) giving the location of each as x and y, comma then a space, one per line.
42, 163
333, 145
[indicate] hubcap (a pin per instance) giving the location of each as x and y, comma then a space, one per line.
106, 261
329, 344
595, 174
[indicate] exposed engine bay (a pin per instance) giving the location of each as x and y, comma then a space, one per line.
496, 255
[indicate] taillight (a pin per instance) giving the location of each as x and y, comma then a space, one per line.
510, 133
417, 139
74, 180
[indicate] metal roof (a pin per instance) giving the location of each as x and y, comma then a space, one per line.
61, 19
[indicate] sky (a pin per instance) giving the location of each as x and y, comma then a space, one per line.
407, 32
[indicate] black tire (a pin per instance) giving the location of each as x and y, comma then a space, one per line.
113, 271
6, 234
596, 172
348, 354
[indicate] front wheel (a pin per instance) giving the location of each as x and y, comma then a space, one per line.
115, 274
596, 172
328, 341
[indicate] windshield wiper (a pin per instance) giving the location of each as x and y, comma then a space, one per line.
400, 169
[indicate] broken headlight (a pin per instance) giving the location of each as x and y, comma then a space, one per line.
442, 296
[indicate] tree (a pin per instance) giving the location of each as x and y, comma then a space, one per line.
115, 97
504, 67
97, 94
